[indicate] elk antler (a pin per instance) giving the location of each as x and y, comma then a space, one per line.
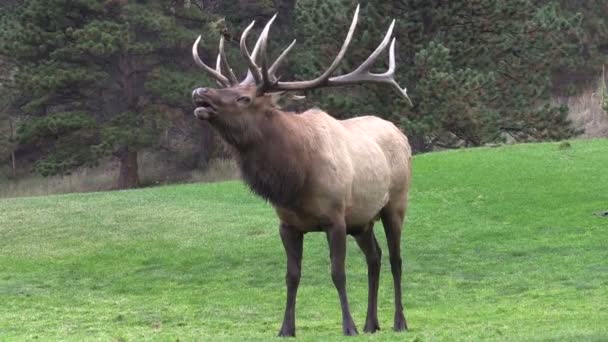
360, 75
221, 57
254, 73
217, 74
265, 77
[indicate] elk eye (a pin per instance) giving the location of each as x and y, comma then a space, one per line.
244, 99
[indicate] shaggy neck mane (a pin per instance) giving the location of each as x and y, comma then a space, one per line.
273, 161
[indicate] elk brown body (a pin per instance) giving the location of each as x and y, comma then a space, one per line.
319, 173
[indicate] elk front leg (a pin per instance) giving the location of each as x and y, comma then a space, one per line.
373, 255
336, 237
292, 242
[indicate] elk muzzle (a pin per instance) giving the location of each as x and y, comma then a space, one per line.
204, 106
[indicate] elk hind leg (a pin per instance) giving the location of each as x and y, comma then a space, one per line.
392, 219
336, 237
373, 256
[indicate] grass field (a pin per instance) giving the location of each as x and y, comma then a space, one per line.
500, 244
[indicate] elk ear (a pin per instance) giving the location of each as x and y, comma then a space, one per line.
283, 95
276, 97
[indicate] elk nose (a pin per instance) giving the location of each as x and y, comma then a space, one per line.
199, 92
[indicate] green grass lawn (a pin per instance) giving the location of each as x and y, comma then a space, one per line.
500, 244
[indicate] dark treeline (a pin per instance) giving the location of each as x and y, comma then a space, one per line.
84, 80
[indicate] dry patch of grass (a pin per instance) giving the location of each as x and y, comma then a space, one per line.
153, 170
586, 111
82, 180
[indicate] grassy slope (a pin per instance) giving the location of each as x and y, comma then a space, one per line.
500, 244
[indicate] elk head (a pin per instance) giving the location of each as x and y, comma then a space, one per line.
236, 105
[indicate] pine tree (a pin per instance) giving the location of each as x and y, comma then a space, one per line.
476, 70
7, 131
92, 75
590, 39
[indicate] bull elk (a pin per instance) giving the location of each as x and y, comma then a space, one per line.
319, 173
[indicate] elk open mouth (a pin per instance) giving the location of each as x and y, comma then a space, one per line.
204, 109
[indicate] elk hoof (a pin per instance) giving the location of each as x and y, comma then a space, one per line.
371, 327
400, 323
350, 330
287, 332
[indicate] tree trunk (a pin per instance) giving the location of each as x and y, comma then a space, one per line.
128, 178
13, 164
12, 138
206, 145
418, 144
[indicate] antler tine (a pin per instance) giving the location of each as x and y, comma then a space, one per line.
362, 73
391, 71
260, 45
266, 82
324, 78
365, 66
277, 63
218, 67
217, 75
249, 79
254, 73
222, 55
